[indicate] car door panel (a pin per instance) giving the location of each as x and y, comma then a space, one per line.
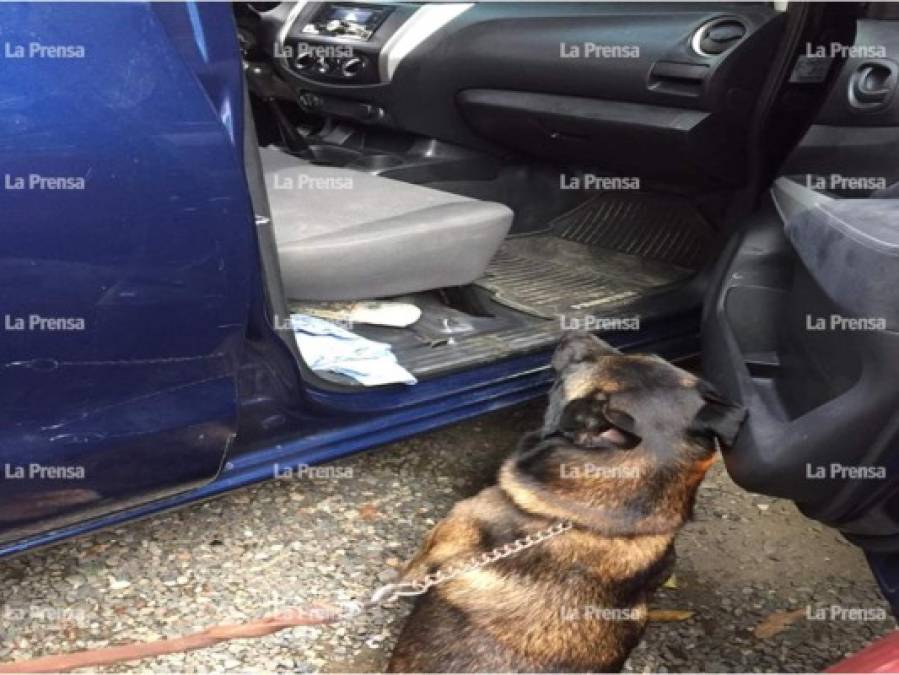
851, 148
800, 323
144, 266
806, 339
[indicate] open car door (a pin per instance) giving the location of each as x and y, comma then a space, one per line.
127, 259
801, 326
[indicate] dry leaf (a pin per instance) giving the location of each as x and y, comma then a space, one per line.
368, 512
118, 584
661, 615
777, 623
671, 583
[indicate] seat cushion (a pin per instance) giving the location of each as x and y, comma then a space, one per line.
889, 192
348, 235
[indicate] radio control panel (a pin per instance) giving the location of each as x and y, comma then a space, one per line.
352, 22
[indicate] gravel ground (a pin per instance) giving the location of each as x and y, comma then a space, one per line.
338, 534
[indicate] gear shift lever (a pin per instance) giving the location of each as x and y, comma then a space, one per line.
259, 80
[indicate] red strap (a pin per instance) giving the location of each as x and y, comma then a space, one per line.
60, 663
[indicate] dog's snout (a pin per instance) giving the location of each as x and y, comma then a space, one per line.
577, 346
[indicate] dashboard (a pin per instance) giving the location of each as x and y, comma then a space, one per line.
520, 76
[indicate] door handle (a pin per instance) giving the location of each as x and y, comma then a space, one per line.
872, 84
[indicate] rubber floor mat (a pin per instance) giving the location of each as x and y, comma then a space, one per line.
545, 275
659, 227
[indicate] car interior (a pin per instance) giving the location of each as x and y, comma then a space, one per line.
508, 167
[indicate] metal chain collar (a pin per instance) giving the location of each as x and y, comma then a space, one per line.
422, 585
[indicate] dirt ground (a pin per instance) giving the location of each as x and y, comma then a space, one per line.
337, 533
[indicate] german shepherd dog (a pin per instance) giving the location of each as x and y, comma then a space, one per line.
625, 442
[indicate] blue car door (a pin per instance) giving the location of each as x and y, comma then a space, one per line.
127, 255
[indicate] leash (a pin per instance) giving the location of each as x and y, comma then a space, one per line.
316, 614
425, 583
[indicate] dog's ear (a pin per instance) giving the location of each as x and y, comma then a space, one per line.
718, 417
577, 346
591, 422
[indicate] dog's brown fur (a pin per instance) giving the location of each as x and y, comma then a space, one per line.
625, 443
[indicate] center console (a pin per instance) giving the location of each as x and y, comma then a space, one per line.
346, 59
340, 43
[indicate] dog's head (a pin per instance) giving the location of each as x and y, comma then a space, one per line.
626, 437
603, 399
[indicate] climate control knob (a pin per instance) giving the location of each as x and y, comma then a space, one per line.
352, 66
304, 60
323, 65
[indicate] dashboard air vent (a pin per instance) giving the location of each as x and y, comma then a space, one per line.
717, 36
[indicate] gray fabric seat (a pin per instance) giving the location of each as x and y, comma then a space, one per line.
889, 192
348, 235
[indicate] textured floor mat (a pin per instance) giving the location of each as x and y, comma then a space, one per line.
546, 276
654, 226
